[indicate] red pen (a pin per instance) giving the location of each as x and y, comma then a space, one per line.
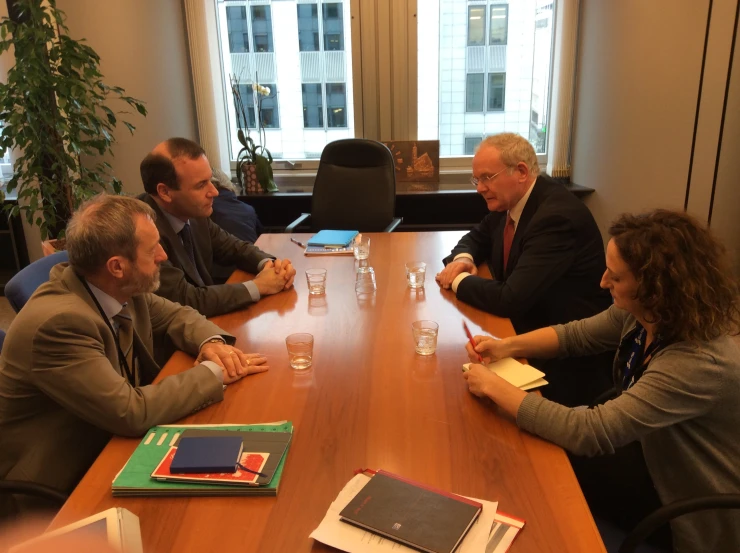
470, 339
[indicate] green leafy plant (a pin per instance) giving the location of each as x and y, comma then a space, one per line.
54, 109
252, 153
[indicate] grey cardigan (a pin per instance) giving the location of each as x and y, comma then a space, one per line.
685, 410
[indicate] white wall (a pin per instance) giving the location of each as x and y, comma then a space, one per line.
143, 48
638, 76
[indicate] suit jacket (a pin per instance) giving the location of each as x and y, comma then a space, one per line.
62, 390
555, 263
182, 283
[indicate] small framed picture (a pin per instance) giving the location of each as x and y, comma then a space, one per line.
415, 160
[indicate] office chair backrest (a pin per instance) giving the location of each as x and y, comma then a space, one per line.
24, 283
355, 187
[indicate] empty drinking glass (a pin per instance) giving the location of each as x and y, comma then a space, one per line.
425, 336
361, 247
365, 281
316, 279
416, 273
300, 350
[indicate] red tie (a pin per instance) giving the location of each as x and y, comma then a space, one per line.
509, 231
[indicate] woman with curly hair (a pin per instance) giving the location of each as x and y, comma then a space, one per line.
676, 373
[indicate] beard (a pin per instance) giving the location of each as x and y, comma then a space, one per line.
142, 283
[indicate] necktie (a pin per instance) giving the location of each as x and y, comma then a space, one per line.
186, 236
126, 341
509, 231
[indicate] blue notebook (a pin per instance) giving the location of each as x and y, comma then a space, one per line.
206, 455
332, 238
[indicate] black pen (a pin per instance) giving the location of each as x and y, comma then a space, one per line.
301, 244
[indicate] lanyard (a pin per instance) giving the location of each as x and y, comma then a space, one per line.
635, 366
121, 357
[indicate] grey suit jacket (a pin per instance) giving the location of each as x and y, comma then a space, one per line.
63, 393
181, 282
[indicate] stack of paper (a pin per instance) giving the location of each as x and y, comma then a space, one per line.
524, 377
138, 477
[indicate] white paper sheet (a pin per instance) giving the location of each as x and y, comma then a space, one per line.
352, 539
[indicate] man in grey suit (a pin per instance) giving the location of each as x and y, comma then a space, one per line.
177, 180
77, 363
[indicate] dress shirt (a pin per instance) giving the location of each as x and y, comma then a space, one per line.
111, 307
515, 213
178, 224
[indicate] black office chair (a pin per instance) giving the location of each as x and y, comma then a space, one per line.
13, 487
661, 516
355, 189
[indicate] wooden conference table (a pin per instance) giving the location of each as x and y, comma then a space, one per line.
369, 401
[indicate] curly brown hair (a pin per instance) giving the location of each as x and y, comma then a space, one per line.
683, 274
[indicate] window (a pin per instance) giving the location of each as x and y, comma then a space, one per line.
476, 25
308, 28
474, 92
471, 143
336, 105
313, 109
496, 89
262, 28
489, 82
498, 30
236, 21
270, 113
307, 57
333, 27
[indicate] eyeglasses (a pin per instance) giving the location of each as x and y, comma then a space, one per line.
485, 179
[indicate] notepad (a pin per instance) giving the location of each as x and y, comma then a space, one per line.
207, 454
524, 377
332, 238
412, 513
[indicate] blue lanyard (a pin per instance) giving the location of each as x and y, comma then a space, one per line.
635, 366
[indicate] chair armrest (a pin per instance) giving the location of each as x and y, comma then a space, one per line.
32, 488
394, 223
668, 512
292, 226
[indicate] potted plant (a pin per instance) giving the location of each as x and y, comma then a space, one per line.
254, 161
55, 111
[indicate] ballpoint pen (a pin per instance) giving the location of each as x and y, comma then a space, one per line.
301, 244
470, 339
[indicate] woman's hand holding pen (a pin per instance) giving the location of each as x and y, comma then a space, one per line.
489, 347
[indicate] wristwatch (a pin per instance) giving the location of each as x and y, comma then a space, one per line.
218, 340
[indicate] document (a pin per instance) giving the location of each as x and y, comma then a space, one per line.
352, 539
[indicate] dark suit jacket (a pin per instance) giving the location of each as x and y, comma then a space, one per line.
555, 263
181, 282
63, 393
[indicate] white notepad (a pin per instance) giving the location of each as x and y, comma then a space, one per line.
525, 377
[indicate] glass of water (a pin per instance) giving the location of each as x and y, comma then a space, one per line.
316, 279
425, 336
416, 272
361, 247
300, 350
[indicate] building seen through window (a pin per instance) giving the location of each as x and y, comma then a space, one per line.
483, 68
300, 49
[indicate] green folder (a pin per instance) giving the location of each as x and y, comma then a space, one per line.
135, 477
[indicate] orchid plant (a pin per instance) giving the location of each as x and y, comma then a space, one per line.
252, 152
